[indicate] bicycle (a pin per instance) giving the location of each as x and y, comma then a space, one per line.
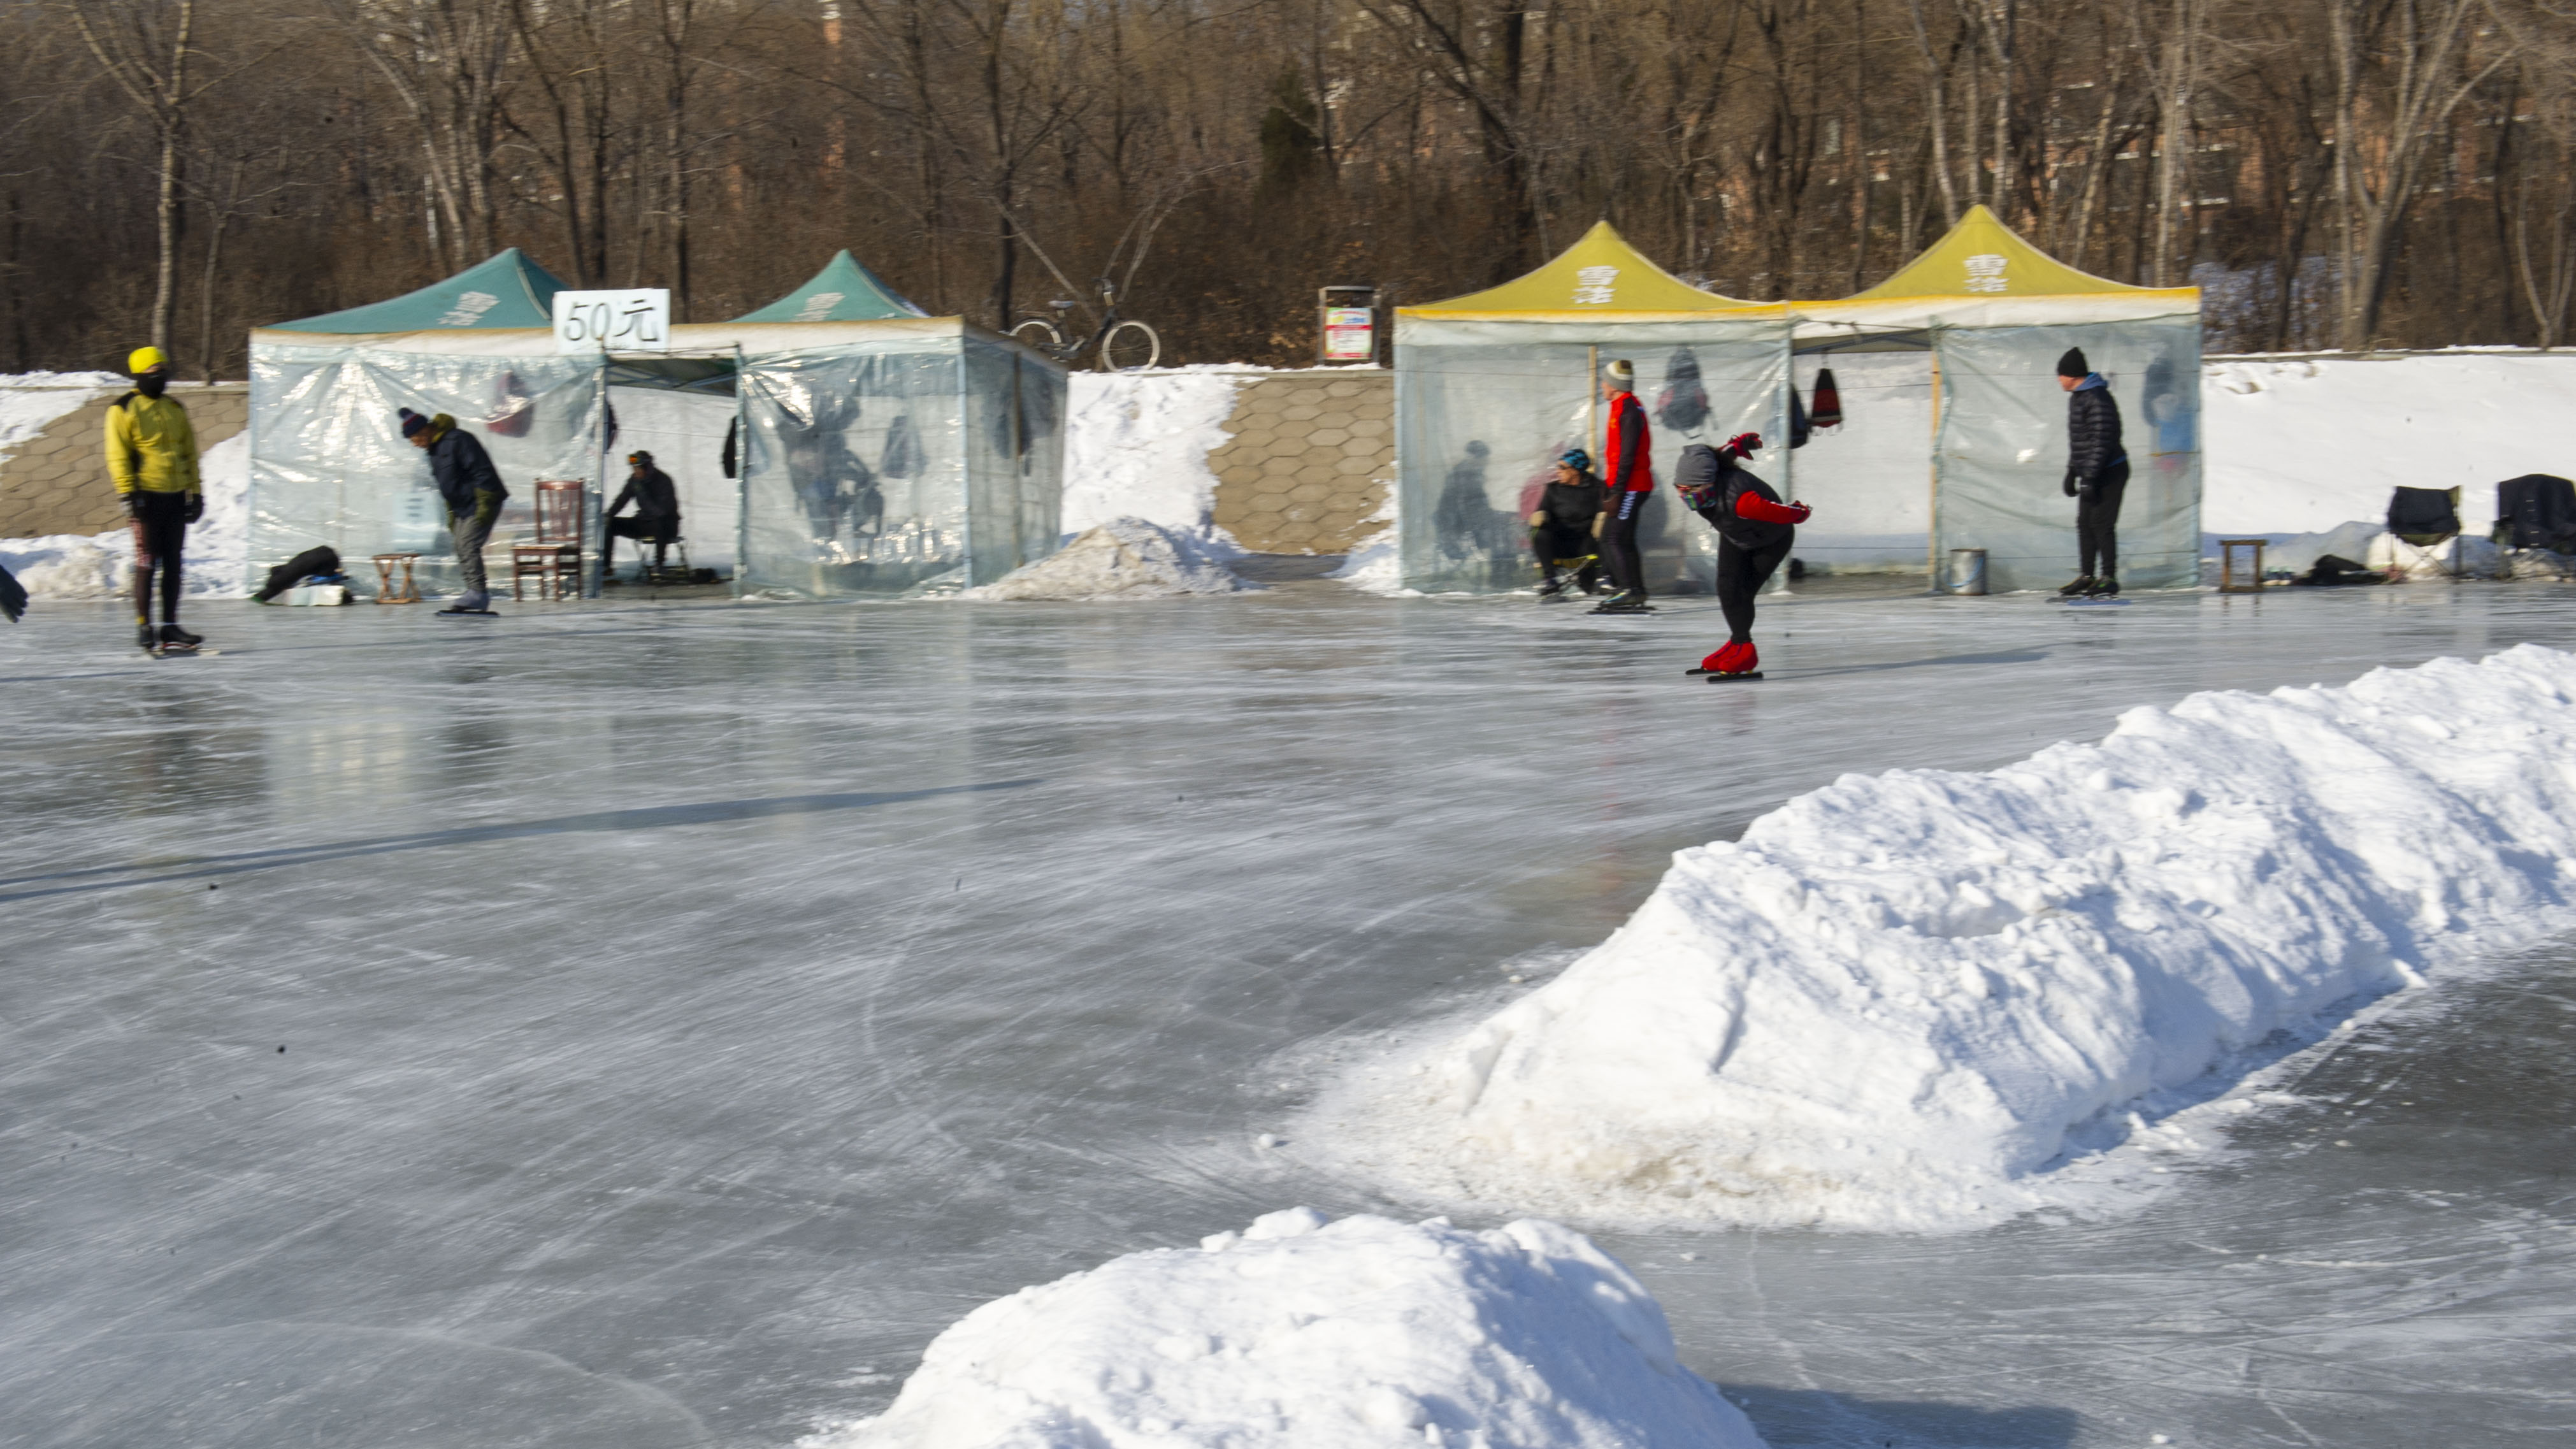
1121, 344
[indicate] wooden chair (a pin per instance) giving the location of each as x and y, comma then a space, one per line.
2230, 581
389, 589
555, 551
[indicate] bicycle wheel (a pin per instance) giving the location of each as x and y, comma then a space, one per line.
1130, 347
1039, 334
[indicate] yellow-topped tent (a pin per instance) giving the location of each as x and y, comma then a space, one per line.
1995, 314
1599, 275
1984, 274
1492, 387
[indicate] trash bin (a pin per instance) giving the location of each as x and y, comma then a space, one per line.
1967, 571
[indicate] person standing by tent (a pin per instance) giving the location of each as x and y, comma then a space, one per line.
1560, 527
657, 513
473, 493
1755, 531
2097, 473
1627, 467
152, 458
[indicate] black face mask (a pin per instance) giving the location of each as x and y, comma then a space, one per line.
151, 384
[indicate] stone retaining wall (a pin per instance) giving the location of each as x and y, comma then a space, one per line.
56, 482
1311, 455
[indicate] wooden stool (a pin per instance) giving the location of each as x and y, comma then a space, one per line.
2227, 580
387, 592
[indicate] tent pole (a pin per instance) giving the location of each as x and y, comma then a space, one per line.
741, 474
1932, 518
1592, 409
595, 528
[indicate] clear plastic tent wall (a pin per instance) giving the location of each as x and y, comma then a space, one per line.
1485, 406
329, 464
2001, 452
881, 465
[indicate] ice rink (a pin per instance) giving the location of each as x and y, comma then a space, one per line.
631, 1026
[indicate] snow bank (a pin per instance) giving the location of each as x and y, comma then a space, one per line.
1900, 1001
100, 566
1125, 558
1376, 565
2306, 443
1137, 446
31, 401
1302, 1335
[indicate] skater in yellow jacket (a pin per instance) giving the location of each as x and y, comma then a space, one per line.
152, 456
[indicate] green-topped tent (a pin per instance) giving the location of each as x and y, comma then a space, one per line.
506, 291
843, 291
1491, 387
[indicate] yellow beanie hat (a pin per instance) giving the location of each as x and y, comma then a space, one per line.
147, 358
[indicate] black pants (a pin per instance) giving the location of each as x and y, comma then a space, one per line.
160, 537
1619, 543
2097, 522
656, 531
1741, 573
1556, 544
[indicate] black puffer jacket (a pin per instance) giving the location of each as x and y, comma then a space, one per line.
460, 467
2092, 434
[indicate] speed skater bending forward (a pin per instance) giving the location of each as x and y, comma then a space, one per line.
1755, 531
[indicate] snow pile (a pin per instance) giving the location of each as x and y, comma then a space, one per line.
31, 401
2464, 556
1899, 1000
1137, 446
1298, 1334
100, 566
1376, 566
2305, 443
2296, 553
1125, 558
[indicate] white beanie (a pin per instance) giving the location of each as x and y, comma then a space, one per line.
1623, 372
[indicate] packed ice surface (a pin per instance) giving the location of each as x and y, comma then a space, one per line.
1137, 445
1299, 1333
1125, 558
691, 1012
1898, 1001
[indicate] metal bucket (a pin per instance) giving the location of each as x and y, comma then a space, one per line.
1967, 571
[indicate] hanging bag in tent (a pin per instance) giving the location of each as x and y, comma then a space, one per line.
1828, 409
1799, 425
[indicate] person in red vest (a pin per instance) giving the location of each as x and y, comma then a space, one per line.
1628, 469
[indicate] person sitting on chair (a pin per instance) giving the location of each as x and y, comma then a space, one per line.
657, 514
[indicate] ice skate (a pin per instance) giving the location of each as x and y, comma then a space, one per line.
1732, 661
1625, 602
175, 640
2077, 588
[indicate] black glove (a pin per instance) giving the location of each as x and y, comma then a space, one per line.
2070, 482
196, 507
132, 503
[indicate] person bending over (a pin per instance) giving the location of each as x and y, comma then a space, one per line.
1755, 531
2097, 473
152, 458
657, 514
1561, 527
474, 494
1629, 472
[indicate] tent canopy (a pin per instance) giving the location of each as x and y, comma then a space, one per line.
1983, 274
506, 291
1600, 275
843, 291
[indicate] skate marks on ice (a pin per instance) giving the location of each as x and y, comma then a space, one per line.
652, 817
1929, 1000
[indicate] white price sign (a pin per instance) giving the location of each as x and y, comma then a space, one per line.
632, 321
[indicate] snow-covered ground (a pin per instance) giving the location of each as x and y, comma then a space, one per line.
690, 1014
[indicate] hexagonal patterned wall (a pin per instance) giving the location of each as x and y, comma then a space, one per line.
1312, 455
56, 481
